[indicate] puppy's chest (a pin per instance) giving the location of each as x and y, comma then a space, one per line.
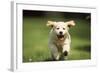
60, 42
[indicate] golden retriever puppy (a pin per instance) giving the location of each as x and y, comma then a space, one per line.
59, 39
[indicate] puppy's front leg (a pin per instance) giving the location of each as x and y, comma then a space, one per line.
54, 52
66, 49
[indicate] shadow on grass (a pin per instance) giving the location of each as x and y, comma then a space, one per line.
49, 59
84, 48
53, 60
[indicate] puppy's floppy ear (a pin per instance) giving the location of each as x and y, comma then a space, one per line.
70, 23
50, 23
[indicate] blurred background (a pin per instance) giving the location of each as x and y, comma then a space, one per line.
36, 34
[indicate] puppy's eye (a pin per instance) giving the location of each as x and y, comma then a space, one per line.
63, 28
57, 28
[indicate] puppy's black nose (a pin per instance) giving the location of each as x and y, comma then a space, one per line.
60, 32
65, 53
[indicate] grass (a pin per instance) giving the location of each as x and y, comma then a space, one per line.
35, 40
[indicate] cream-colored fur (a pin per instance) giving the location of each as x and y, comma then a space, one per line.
59, 42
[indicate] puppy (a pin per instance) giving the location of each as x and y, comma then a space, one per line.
59, 39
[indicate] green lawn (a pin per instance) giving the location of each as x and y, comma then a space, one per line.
35, 40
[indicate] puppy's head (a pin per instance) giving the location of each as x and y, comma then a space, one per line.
61, 28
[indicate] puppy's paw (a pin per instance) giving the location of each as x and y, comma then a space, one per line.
65, 53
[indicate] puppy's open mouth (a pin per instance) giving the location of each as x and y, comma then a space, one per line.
60, 37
